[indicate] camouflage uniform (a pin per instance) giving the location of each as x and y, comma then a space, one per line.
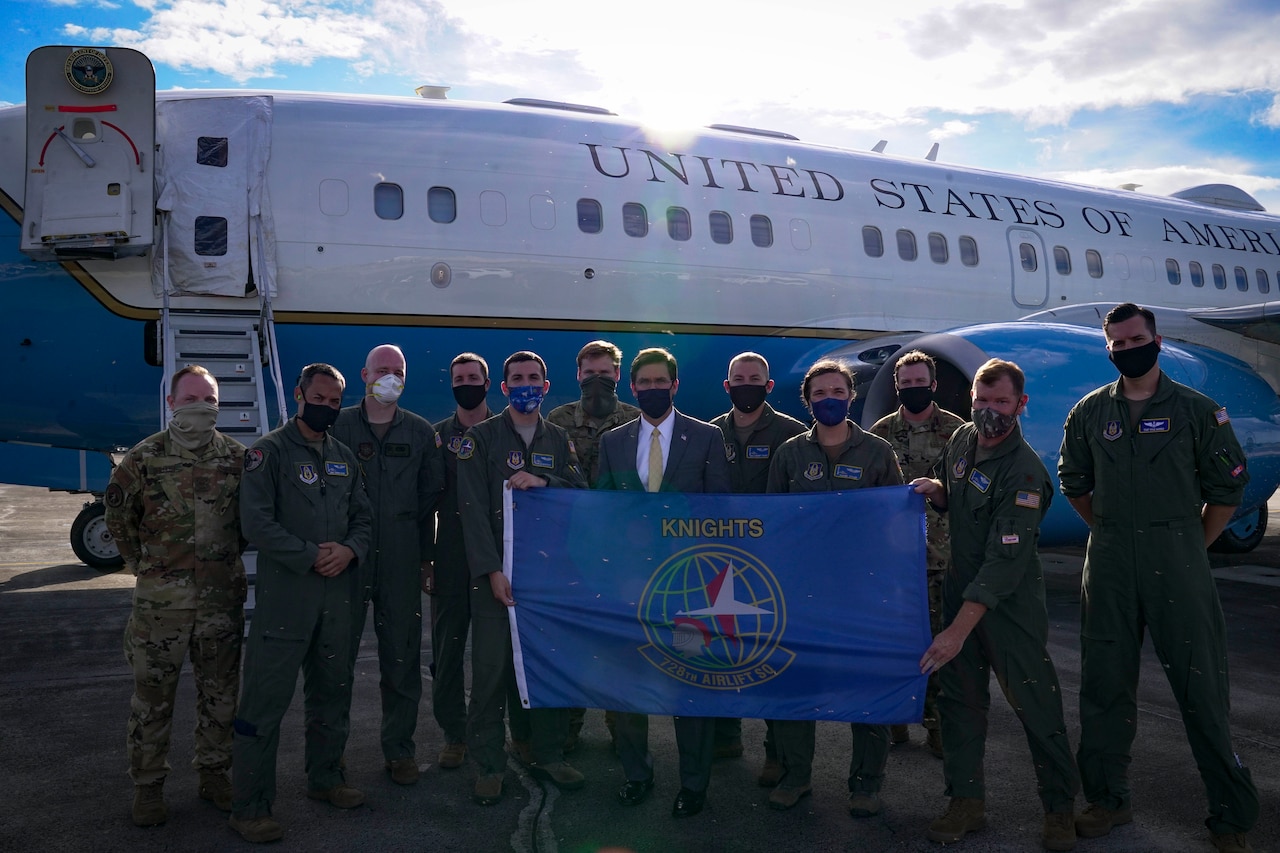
175, 515
919, 447
585, 431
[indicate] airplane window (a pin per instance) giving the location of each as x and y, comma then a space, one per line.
442, 204
211, 235
1242, 279
721, 227
493, 208
1120, 266
679, 226
212, 151
968, 251
1027, 255
761, 231
635, 219
1219, 277
590, 216
801, 236
1174, 271
872, 242
1093, 261
938, 248
388, 201
1062, 260
1197, 274
1264, 281
906, 244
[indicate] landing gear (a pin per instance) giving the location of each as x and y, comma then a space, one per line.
1243, 534
91, 540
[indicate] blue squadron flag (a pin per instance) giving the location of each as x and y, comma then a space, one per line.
787, 607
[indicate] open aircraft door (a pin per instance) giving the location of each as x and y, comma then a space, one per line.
91, 126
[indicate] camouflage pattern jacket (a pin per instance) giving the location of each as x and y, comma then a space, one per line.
175, 515
919, 447
585, 432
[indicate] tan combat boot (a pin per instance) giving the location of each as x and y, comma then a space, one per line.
962, 816
216, 788
148, 804
1059, 831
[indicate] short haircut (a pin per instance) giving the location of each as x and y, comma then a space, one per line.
523, 355
916, 357
469, 358
189, 370
995, 369
826, 365
750, 356
595, 349
654, 355
319, 368
1127, 311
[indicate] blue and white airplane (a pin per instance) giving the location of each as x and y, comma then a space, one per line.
257, 232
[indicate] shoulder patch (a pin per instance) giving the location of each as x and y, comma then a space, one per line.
438, 440
253, 459
1221, 416
1030, 500
467, 449
114, 496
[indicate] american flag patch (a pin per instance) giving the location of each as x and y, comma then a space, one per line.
1009, 539
1221, 416
1031, 500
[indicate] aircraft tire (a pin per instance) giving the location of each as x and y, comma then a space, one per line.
1243, 535
91, 540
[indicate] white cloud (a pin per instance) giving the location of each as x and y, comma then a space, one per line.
952, 129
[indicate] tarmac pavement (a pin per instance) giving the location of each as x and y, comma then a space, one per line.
66, 696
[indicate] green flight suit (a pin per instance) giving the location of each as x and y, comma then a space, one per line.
1146, 569
749, 473
801, 465
291, 500
175, 515
996, 506
918, 446
403, 476
489, 454
450, 596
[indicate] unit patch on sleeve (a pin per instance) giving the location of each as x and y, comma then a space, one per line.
253, 459
114, 496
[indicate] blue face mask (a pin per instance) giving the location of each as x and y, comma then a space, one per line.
525, 398
830, 411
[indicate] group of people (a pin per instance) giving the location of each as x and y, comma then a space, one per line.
372, 504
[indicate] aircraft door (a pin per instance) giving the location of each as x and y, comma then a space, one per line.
1030, 268
90, 138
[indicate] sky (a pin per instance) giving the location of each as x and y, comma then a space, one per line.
1166, 94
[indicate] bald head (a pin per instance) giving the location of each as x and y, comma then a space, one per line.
383, 359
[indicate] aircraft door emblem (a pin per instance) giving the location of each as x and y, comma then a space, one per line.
89, 71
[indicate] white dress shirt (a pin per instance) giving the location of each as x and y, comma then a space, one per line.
665, 431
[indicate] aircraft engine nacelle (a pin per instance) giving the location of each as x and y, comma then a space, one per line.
1062, 364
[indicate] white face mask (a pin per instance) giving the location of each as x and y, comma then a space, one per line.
192, 426
387, 389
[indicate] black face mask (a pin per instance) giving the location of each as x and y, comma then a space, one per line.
318, 417
915, 400
599, 396
469, 396
747, 398
1136, 361
654, 402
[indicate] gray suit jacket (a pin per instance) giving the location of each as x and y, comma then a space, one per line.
696, 460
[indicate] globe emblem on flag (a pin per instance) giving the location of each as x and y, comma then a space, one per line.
713, 609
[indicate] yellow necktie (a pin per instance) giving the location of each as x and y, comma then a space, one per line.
655, 461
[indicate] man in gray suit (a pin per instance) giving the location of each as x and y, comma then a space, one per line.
663, 451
